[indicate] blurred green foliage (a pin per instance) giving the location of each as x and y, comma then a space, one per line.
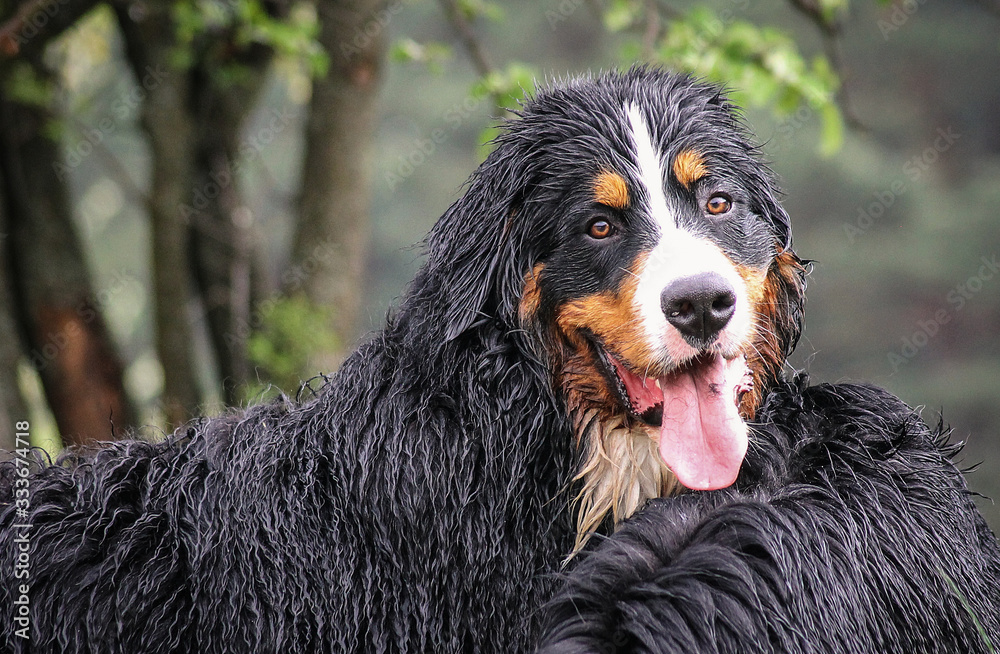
23, 83
433, 54
473, 9
291, 331
762, 66
201, 23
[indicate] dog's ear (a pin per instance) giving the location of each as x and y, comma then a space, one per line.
786, 281
474, 250
780, 308
769, 207
780, 313
785, 287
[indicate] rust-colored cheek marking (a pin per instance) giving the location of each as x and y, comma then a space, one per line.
531, 296
611, 316
610, 189
689, 167
769, 296
757, 288
755, 280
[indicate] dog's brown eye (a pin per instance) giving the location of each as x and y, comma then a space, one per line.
600, 229
718, 203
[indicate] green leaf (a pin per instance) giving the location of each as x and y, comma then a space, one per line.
508, 86
761, 66
833, 9
622, 14
432, 54
473, 9
25, 85
246, 23
508, 89
831, 130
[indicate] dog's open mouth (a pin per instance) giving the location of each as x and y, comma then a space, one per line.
702, 437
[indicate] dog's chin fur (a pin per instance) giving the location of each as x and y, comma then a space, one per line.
621, 469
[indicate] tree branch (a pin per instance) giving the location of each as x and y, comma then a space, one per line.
475, 50
469, 40
830, 29
831, 44
652, 31
32, 26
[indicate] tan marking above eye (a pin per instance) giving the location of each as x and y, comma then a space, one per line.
689, 167
610, 189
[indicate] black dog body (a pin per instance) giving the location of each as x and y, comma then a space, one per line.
526, 396
849, 531
381, 515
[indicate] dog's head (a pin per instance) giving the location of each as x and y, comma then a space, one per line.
628, 224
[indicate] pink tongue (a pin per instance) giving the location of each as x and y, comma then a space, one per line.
702, 438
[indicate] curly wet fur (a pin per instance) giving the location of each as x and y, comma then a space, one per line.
849, 531
393, 511
422, 498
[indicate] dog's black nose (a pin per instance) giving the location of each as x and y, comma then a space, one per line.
699, 306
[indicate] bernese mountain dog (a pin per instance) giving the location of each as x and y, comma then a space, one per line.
574, 434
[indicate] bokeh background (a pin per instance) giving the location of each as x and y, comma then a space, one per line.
889, 155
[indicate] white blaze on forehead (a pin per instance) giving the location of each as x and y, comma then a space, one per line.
650, 167
677, 254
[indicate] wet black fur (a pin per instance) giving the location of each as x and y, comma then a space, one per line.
420, 499
848, 531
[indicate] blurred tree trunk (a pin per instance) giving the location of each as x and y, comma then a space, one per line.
200, 221
222, 244
201, 231
70, 344
225, 250
331, 242
165, 117
12, 405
